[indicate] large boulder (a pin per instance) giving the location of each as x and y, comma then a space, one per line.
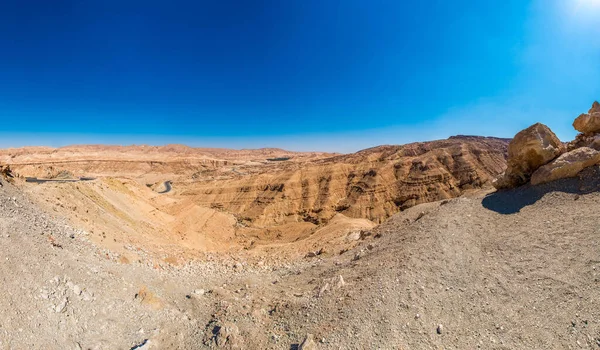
567, 165
529, 149
589, 123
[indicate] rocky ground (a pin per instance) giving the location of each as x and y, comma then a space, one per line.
518, 269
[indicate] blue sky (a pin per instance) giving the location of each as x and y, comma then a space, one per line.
303, 75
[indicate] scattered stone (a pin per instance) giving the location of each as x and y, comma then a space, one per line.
353, 236
228, 336
62, 306
365, 233
323, 289
87, 296
440, 329
315, 253
199, 292
340, 282
308, 343
76, 290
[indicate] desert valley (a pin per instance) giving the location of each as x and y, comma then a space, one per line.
465, 243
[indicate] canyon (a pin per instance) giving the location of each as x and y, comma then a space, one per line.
260, 204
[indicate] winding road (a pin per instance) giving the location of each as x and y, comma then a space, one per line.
168, 187
41, 181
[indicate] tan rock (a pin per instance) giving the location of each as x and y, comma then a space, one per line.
529, 149
590, 122
585, 140
229, 336
567, 165
504, 181
308, 343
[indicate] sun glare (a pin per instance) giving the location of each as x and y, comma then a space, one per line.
587, 5
580, 13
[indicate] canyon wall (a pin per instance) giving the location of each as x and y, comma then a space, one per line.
372, 184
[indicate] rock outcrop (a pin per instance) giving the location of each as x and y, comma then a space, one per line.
536, 154
589, 123
567, 165
583, 140
529, 149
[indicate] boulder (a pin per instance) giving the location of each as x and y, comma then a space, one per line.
567, 165
529, 149
589, 123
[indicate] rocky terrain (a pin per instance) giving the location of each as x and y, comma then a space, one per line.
536, 155
493, 271
426, 255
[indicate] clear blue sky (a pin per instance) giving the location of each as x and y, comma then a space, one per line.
305, 75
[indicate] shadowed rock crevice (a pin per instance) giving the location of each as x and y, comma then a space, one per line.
511, 201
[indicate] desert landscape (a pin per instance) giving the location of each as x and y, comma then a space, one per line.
465, 243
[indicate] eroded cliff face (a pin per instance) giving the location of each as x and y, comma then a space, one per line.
372, 184
264, 201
